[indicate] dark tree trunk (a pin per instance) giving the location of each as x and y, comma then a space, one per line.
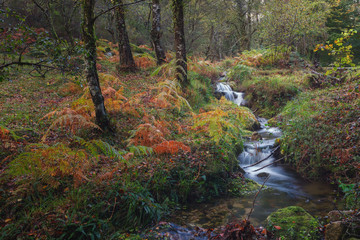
127, 62
88, 32
180, 49
156, 32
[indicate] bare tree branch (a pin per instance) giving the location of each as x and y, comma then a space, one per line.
113, 7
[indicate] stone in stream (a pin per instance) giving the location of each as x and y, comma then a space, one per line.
293, 223
263, 175
256, 136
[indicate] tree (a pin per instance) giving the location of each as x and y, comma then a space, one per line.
88, 32
127, 62
296, 23
156, 32
180, 48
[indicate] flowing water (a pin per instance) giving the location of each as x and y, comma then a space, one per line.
284, 186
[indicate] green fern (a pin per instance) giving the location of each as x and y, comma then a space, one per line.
97, 147
140, 150
218, 126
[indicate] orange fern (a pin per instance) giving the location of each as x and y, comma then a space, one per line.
70, 119
171, 147
144, 62
147, 135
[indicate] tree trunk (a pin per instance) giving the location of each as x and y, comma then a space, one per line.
88, 32
127, 62
180, 49
156, 32
241, 11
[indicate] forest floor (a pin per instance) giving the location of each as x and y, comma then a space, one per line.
63, 178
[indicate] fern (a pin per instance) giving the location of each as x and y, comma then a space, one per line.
217, 126
97, 147
169, 95
51, 164
166, 70
146, 135
171, 147
8, 139
71, 120
144, 61
140, 150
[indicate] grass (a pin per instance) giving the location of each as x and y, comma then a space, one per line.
321, 131
270, 93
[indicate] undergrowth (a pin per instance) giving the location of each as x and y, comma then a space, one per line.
73, 181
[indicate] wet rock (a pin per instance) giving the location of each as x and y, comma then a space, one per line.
256, 126
343, 224
334, 231
263, 175
256, 136
293, 223
218, 95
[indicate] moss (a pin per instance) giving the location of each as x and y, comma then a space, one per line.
293, 223
240, 187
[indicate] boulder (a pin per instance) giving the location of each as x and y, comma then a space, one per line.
293, 223
334, 231
218, 95
263, 175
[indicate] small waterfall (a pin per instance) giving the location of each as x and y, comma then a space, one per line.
236, 97
257, 150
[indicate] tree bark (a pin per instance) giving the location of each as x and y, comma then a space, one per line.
156, 32
88, 32
180, 49
127, 62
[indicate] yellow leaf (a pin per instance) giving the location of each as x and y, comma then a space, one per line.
8, 220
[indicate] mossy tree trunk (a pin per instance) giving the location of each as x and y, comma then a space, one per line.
92, 77
181, 62
127, 62
156, 32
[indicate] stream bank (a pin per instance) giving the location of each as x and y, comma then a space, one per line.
284, 187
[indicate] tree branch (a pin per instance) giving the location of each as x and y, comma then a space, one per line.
28, 64
113, 7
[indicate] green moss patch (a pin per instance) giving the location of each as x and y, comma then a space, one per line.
293, 223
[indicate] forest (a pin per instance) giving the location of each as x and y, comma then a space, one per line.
180, 119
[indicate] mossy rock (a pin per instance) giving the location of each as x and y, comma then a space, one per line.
293, 223
240, 187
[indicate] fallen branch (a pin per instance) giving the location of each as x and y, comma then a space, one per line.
325, 76
272, 153
28, 64
270, 164
253, 205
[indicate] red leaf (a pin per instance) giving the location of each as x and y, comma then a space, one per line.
277, 227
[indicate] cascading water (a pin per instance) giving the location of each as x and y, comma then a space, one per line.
229, 94
286, 188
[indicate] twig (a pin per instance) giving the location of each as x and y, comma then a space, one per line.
270, 164
253, 205
116, 6
112, 213
27, 64
272, 153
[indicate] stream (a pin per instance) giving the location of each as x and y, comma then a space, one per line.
284, 186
